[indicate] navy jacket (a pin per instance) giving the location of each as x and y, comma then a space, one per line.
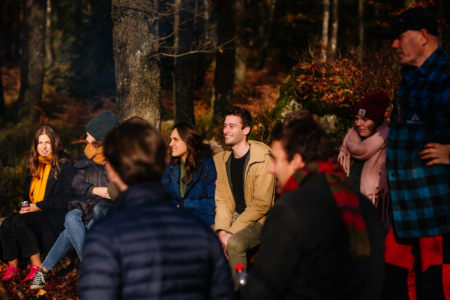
199, 196
149, 249
88, 176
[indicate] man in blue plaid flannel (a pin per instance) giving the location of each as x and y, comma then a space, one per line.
417, 162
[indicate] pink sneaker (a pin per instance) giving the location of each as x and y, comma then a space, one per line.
10, 273
30, 276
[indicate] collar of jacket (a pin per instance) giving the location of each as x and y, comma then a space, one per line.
142, 193
257, 154
195, 177
82, 162
411, 73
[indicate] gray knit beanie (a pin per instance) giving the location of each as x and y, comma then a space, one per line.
103, 123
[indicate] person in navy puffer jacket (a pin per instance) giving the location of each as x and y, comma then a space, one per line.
190, 177
146, 248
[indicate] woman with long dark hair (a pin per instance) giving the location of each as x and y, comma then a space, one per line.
190, 177
47, 190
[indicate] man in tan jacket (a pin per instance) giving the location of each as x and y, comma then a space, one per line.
245, 190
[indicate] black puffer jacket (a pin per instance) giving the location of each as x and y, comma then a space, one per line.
149, 249
88, 176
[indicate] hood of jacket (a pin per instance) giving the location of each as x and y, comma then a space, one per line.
82, 162
258, 152
215, 146
142, 193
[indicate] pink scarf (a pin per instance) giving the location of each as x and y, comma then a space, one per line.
373, 151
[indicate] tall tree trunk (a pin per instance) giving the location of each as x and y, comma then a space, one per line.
325, 26
33, 57
267, 36
183, 79
240, 42
361, 27
200, 32
49, 44
224, 74
334, 26
135, 46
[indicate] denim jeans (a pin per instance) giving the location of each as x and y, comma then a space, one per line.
73, 235
101, 211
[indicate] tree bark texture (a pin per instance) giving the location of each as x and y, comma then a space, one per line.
361, 26
334, 26
267, 37
33, 58
240, 42
183, 79
225, 62
325, 25
137, 73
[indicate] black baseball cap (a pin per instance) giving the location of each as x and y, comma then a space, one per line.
412, 19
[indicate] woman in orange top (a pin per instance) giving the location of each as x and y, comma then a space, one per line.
47, 190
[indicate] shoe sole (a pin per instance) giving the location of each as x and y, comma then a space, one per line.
35, 287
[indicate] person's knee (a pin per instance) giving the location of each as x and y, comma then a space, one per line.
236, 244
101, 210
6, 224
18, 221
72, 217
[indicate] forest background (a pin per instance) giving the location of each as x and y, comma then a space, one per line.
62, 62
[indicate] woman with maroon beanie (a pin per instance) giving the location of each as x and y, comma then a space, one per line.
363, 151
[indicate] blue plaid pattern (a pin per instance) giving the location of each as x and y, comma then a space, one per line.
420, 194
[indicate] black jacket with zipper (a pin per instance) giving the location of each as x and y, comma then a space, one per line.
88, 176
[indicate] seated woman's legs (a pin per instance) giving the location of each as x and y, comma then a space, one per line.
76, 230
9, 242
58, 251
24, 226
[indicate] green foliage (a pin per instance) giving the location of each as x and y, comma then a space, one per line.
11, 182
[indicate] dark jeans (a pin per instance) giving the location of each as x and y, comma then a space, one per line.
20, 230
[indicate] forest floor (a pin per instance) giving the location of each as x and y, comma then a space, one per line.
58, 286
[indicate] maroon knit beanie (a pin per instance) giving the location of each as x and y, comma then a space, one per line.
373, 107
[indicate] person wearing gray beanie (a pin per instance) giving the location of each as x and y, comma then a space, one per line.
103, 123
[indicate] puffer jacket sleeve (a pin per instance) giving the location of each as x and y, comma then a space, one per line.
100, 270
222, 284
80, 187
61, 200
206, 206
